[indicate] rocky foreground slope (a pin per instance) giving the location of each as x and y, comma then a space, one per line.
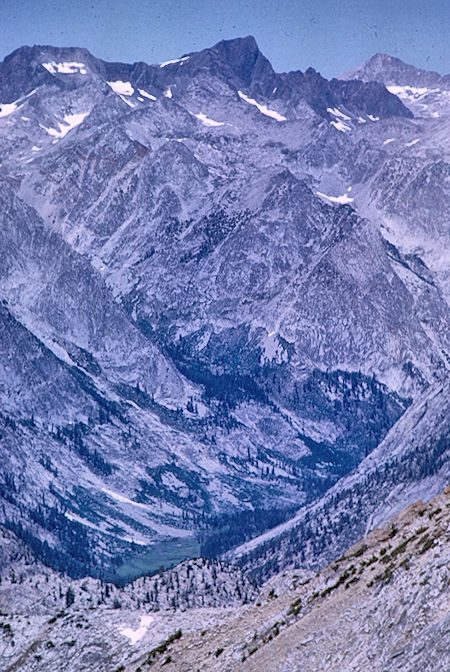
384, 605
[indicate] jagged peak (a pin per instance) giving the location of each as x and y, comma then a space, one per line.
247, 42
241, 55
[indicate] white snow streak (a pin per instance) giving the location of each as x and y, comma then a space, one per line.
122, 88
386, 142
337, 113
175, 60
336, 199
8, 108
67, 68
70, 122
133, 540
122, 499
168, 93
372, 118
262, 108
341, 126
146, 95
413, 142
206, 121
128, 102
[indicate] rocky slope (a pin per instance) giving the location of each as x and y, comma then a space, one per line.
411, 461
383, 604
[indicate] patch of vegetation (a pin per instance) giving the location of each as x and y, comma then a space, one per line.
383, 577
295, 607
162, 648
342, 579
426, 544
370, 561
353, 580
402, 547
421, 530
360, 551
404, 563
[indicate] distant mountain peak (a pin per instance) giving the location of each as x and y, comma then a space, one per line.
390, 70
240, 55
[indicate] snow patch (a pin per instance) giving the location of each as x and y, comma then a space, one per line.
66, 68
206, 121
341, 126
168, 93
411, 92
337, 199
262, 108
386, 142
135, 635
128, 102
413, 142
337, 113
8, 108
36, 149
372, 118
122, 88
70, 122
173, 61
146, 95
122, 499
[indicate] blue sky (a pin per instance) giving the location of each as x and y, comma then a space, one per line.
332, 36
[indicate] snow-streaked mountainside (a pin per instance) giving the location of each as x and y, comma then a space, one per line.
224, 305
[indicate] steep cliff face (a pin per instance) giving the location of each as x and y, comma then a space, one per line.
222, 288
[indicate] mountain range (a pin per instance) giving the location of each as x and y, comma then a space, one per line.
224, 316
